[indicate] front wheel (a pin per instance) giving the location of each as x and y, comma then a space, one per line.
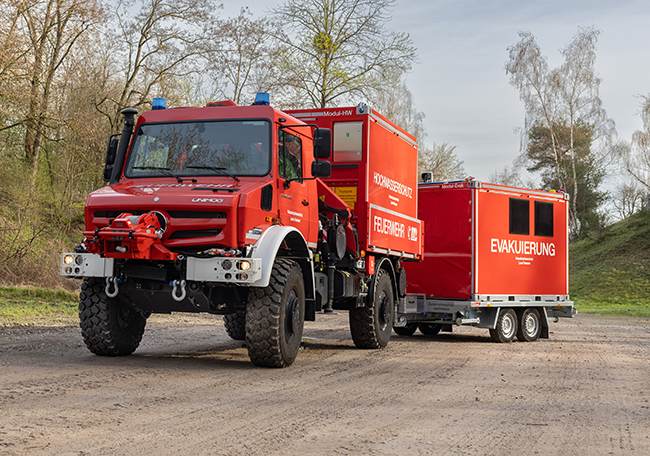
429, 329
275, 317
109, 326
235, 325
506, 326
371, 325
406, 330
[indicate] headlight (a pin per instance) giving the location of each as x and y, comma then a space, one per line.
68, 259
226, 264
79, 260
244, 265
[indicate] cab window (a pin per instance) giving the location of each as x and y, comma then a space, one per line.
289, 155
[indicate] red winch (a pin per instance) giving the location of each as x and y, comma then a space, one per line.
131, 236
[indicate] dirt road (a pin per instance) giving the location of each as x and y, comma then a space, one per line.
191, 390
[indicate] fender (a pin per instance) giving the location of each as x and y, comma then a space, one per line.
268, 246
383, 263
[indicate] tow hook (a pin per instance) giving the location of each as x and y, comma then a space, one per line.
176, 284
112, 281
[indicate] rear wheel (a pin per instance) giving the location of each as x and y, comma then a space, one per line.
109, 326
506, 326
235, 325
371, 325
429, 329
407, 330
275, 317
529, 326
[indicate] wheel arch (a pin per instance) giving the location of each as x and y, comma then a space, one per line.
286, 242
385, 264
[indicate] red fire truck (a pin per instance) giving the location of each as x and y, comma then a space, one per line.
244, 211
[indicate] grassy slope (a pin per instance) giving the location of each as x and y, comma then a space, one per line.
37, 306
612, 275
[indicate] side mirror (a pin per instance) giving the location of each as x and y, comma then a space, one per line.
321, 169
111, 153
322, 143
111, 150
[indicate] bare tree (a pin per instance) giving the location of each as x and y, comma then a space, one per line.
441, 161
637, 157
396, 102
246, 60
162, 41
560, 100
338, 49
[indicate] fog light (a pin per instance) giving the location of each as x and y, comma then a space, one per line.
242, 276
68, 270
226, 264
228, 276
68, 259
244, 265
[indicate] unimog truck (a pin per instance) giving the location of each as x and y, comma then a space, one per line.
224, 209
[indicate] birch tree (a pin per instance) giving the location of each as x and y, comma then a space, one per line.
564, 97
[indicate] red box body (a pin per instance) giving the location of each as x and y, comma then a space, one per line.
375, 171
471, 252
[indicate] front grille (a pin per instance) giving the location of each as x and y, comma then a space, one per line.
189, 234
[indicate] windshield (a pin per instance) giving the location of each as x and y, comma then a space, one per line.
215, 148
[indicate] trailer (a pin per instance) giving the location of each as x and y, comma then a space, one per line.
495, 257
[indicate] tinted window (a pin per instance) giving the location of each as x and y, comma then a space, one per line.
543, 219
519, 216
200, 148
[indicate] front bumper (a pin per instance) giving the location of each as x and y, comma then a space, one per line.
226, 270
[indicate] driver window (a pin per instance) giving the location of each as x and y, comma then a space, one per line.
289, 155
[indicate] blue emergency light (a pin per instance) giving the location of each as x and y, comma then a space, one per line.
262, 98
158, 103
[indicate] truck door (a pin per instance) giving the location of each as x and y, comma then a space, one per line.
296, 202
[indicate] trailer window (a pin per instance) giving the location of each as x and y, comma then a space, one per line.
519, 216
543, 219
290, 155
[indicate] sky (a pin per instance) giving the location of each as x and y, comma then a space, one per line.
460, 82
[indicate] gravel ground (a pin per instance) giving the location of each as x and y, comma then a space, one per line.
189, 389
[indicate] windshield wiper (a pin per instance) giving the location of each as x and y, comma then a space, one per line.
221, 171
165, 171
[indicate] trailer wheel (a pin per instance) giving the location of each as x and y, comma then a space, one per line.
429, 329
109, 326
506, 326
407, 330
275, 317
370, 325
530, 326
235, 325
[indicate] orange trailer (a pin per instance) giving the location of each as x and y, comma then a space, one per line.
494, 256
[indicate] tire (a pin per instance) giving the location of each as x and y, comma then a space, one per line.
407, 330
506, 329
371, 325
109, 326
275, 317
530, 326
429, 329
235, 325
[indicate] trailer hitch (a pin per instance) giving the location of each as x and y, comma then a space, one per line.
176, 284
112, 281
